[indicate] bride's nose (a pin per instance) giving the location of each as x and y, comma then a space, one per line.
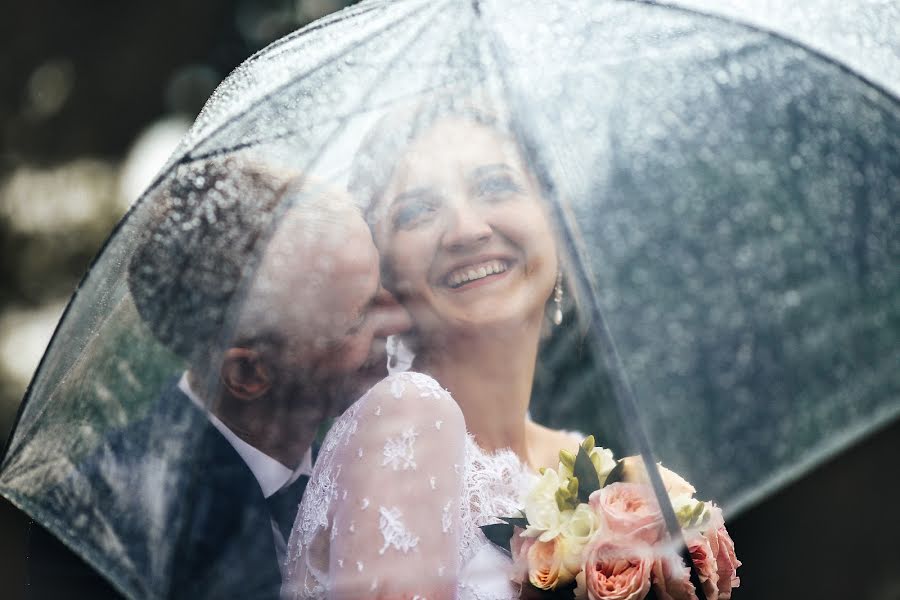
465, 227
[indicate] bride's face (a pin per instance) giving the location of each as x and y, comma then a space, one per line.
465, 240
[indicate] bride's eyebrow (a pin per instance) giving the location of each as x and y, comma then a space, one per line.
483, 170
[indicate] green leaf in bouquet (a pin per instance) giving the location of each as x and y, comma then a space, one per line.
499, 534
588, 480
521, 522
617, 474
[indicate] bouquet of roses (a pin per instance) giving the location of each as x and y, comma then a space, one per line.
591, 528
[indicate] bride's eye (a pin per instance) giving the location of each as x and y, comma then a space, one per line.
410, 213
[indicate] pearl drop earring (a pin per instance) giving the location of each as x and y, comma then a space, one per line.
557, 299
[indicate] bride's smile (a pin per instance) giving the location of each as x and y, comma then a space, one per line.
471, 275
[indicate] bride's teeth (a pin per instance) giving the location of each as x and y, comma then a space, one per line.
460, 277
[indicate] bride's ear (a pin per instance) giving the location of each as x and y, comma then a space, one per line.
244, 374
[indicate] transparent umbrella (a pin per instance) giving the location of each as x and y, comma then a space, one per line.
723, 187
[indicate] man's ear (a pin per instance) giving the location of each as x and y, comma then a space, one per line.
244, 374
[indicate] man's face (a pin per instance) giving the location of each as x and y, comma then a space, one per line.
323, 280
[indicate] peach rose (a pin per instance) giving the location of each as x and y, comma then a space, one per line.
671, 579
546, 565
633, 470
616, 570
519, 546
704, 559
629, 509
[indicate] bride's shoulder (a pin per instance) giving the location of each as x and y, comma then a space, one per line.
413, 397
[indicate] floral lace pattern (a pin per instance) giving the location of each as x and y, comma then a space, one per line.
399, 452
394, 532
448, 495
493, 485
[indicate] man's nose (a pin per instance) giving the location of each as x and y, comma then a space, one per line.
392, 317
466, 226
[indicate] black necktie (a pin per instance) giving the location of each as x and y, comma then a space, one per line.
284, 503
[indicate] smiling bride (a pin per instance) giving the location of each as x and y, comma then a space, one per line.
411, 471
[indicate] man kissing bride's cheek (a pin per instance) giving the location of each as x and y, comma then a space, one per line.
267, 287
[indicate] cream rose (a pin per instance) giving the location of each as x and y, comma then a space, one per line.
603, 461
616, 570
544, 517
578, 527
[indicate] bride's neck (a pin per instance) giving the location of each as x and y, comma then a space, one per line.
490, 377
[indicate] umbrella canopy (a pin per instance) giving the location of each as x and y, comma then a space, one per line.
724, 184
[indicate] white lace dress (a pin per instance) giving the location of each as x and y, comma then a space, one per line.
396, 499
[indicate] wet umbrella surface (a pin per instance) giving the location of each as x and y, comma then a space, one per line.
719, 185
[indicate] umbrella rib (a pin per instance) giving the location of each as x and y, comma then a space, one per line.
623, 392
187, 159
335, 57
775, 34
291, 132
347, 115
328, 21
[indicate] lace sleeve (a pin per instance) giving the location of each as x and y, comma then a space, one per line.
391, 477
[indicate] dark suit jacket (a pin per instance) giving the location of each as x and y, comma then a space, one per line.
185, 514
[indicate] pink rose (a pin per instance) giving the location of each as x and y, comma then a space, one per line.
617, 570
629, 509
672, 580
722, 548
726, 563
704, 559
